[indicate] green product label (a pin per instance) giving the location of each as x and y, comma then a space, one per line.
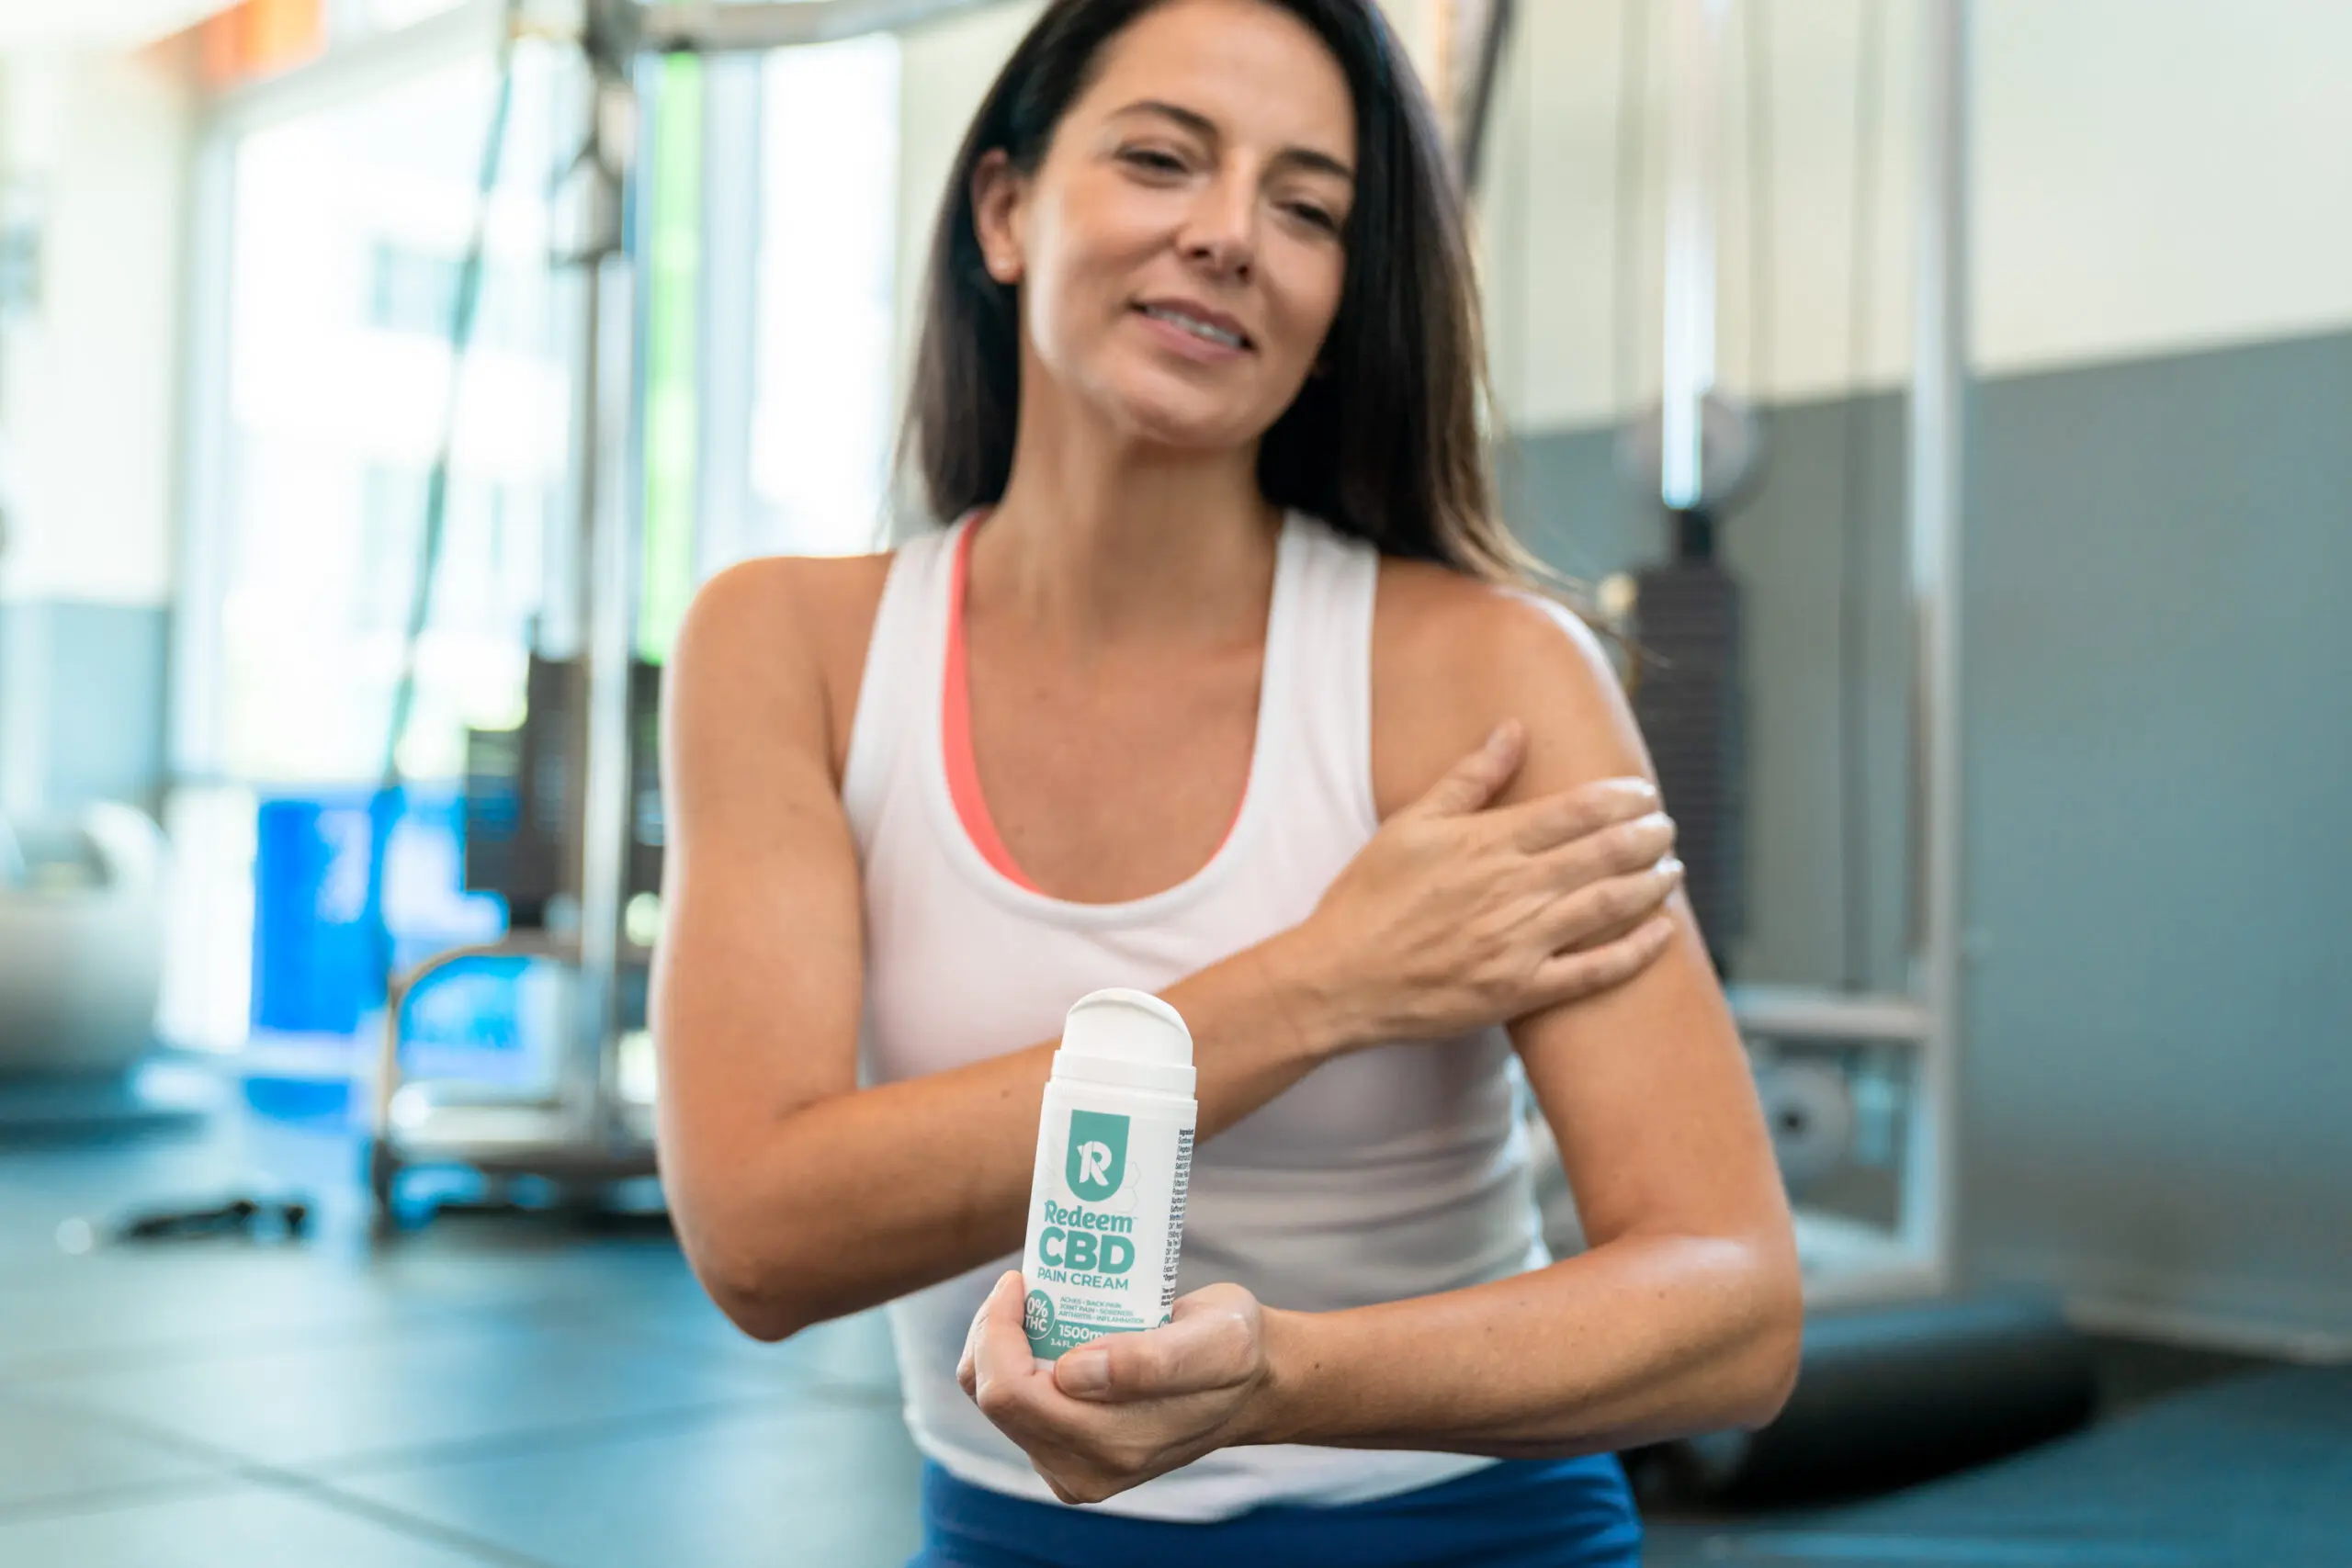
1097, 1161
1038, 1319
1051, 1333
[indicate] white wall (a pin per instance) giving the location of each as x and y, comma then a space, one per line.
2149, 177
88, 382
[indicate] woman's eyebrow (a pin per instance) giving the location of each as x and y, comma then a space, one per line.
1205, 129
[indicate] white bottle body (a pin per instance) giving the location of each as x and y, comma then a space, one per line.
1106, 1204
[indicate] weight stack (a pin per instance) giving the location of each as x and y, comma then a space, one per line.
522, 788
1686, 698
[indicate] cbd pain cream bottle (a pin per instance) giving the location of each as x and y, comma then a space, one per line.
1115, 1156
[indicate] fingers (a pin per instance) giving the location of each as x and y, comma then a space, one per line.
1476, 779
1210, 1342
1571, 977
996, 1351
1626, 849
1573, 816
1596, 911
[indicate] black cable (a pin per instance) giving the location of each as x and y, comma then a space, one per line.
464, 314
1853, 507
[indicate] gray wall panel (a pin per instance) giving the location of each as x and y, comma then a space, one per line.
2157, 1076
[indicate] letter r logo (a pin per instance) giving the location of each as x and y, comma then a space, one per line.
1097, 1162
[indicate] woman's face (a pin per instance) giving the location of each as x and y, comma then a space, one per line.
1179, 247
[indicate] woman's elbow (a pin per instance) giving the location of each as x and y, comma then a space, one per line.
751, 1284
748, 1292
761, 1315
1776, 1340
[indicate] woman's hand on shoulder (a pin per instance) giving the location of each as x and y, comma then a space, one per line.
1470, 907
1116, 1412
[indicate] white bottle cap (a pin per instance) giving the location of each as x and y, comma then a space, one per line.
1130, 1038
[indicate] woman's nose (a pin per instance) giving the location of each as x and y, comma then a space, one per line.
1220, 234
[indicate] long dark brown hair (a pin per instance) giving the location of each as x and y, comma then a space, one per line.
1383, 442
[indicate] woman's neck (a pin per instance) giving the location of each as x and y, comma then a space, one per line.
1100, 544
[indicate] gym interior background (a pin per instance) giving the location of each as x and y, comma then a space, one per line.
336, 565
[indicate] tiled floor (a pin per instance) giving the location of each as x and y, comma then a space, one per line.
512, 1391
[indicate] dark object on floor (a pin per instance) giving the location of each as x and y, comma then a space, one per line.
256, 1218
1891, 1396
2252, 1472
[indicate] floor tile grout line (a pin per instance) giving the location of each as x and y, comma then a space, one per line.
237, 1466
328, 1494
109, 1499
262, 1342
51, 1368
538, 1439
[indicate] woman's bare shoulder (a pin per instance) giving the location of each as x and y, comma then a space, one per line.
1454, 656
792, 618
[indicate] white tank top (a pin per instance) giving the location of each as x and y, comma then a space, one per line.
1396, 1171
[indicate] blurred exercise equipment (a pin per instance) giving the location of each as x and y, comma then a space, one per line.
1698, 454
567, 809
81, 942
81, 967
1893, 1395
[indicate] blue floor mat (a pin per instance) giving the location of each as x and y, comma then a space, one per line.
2252, 1472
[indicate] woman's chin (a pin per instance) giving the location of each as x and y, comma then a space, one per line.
1191, 424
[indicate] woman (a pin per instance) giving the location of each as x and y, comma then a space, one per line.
1218, 686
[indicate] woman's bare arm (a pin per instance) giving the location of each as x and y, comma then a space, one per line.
1685, 1313
797, 1195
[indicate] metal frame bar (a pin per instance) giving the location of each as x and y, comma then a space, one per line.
734, 95
633, 27
1937, 444
1686, 362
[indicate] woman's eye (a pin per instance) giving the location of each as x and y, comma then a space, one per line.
1153, 158
1309, 212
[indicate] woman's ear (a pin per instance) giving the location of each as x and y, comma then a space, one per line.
997, 194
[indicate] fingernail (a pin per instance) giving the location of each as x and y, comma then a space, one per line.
1084, 1372
1670, 867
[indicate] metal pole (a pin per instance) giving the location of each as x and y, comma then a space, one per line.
724, 28
1938, 442
608, 514
1688, 365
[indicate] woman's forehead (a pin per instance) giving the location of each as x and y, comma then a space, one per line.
1250, 70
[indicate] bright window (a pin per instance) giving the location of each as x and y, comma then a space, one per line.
821, 421
349, 231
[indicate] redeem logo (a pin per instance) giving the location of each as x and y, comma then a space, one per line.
1097, 1161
